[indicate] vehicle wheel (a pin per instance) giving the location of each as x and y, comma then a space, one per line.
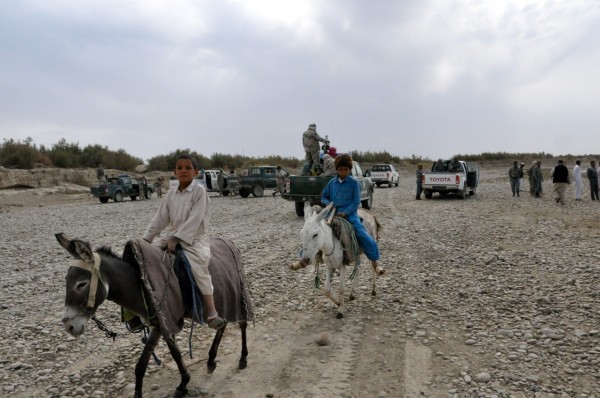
378, 184
472, 192
103, 200
119, 197
428, 194
299, 209
226, 192
244, 193
257, 191
367, 203
147, 194
133, 197
390, 184
463, 194
398, 181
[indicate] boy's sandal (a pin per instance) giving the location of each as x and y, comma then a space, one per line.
216, 322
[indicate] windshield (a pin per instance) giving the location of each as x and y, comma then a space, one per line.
381, 168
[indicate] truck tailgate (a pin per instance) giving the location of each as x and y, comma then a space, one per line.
100, 190
302, 188
441, 179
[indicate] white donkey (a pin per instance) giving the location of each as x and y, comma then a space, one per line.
317, 236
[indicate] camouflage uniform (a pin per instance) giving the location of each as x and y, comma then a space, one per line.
220, 182
538, 179
531, 179
310, 141
419, 181
100, 173
514, 173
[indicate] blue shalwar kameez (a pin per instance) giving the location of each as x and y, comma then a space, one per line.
345, 195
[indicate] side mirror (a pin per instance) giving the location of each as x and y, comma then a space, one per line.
367, 174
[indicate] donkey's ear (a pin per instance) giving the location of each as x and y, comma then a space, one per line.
77, 248
325, 212
308, 210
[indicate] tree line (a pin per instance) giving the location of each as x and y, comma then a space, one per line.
27, 155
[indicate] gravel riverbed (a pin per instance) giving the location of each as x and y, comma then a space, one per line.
492, 296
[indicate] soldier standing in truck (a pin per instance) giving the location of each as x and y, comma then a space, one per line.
100, 173
310, 141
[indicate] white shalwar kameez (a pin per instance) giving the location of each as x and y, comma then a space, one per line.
185, 215
578, 181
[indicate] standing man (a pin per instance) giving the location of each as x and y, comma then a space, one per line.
142, 185
578, 180
560, 179
439, 166
220, 182
592, 175
100, 173
538, 178
159, 182
310, 141
280, 176
454, 165
531, 179
514, 173
419, 181
521, 176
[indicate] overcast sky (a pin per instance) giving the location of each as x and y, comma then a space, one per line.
426, 77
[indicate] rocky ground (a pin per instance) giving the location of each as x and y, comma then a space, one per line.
492, 296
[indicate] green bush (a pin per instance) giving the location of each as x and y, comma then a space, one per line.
21, 155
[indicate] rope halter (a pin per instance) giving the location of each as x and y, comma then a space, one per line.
94, 269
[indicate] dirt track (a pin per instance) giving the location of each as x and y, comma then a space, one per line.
491, 286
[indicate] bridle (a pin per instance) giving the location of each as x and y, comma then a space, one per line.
94, 269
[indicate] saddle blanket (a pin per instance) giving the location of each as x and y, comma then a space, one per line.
162, 290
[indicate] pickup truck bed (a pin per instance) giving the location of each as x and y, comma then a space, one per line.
300, 189
462, 182
384, 174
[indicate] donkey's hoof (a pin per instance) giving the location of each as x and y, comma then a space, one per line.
180, 393
193, 392
373, 293
379, 271
351, 297
210, 367
339, 315
243, 364
297, 265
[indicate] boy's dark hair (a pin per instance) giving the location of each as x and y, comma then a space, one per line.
190, 158
343, 161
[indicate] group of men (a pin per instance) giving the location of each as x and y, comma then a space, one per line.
560, 179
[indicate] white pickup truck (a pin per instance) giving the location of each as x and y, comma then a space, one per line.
384, 174
208, 178
461, 180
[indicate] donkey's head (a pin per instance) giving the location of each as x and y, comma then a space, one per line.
313, 232
85, 289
